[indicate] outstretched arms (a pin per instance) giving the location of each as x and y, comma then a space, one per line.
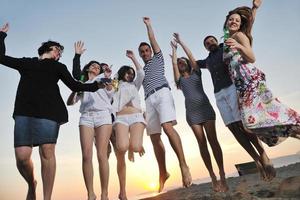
151, 36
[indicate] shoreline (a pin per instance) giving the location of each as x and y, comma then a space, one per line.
285, 185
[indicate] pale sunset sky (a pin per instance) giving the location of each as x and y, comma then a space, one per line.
108, 28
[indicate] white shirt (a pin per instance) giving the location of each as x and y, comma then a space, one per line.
96, 101
128, 92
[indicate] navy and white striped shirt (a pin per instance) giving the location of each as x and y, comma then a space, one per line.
154, 73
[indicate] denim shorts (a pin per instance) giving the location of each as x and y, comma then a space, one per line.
227, 102
31, 131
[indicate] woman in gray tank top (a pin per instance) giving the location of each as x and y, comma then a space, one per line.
199, 113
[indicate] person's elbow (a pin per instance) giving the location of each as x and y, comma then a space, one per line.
251, 59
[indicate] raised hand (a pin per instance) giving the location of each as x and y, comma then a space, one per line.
147, 20
79, 47
177, 38
108, 86
4, 28
130, 54
107, 71
257, 3
174, 44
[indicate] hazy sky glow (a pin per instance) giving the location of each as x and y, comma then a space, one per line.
108, 28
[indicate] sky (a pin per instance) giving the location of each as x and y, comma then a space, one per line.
108, 28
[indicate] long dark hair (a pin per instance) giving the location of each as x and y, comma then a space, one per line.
123, 70
246, 20
85, 71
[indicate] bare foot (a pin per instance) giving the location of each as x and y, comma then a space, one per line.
186, 176
223, 185
268, 167
31, 195
261, 170
92, 197
270, 171
162, 180
104, 197
215, 184
142, 152
130, 155
122, 197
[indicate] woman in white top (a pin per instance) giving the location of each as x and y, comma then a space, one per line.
95, 122
129, 123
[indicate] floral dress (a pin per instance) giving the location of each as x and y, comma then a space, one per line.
261, 112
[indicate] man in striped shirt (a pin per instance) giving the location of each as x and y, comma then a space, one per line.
160, 108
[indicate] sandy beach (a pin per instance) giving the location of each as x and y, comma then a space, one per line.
286, 185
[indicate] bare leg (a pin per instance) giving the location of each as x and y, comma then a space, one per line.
245, 143
122, 145
102, 135
210, 129
25, 167
121, 169
86, 141
47, 155
198, 131
175, 142
160, 154
136, 131
264, 159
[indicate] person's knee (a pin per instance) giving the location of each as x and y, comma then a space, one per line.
47, 151
122, 147
102, 156
168, 128
22, 161
155, 138
87, 156
202, 142
22, 154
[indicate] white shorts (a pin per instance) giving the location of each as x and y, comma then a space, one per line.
227, 102
130, 119
160, 108
95, 119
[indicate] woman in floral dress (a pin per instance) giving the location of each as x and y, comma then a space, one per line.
262, 113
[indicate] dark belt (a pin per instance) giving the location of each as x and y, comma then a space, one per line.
156, 89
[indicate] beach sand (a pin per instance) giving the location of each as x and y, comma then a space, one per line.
286, 185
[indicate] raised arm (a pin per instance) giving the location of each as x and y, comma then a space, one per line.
139, 71
187, 51
3, 31
151, 36
174, 62
14, 63
255, 5
79, 50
